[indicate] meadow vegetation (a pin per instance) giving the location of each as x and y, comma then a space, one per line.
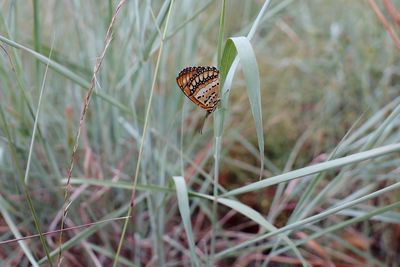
299, 165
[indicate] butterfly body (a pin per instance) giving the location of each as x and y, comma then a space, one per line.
201, 86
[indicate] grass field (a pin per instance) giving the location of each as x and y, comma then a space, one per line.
101, 158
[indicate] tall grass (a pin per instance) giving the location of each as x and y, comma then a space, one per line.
299, 164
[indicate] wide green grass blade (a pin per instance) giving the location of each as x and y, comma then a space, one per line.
241, 46
228, 64
252, 76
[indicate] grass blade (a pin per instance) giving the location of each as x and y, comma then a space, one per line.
14, 229
183, 203
328, 165
258, 218
66, 73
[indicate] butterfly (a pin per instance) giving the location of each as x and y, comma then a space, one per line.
201, 85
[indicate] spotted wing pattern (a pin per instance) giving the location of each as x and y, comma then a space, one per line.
201, 86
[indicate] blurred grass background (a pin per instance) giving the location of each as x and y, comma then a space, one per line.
327, 68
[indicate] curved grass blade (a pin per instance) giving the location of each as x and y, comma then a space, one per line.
242, 47
258, 218
184, 209
320, 216
335, 227
328, 165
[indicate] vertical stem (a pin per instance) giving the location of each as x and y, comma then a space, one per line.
221, 32
68, 187
217, 149
217, 146
36, 37
147, 117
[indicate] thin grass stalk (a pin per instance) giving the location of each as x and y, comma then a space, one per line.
300, 211
341, 225
35, 124
147, 117
277, 202
66, 72
67, 201
312, 219
6, 217
19, 171
155, 48
110, 10
320, 167
221, 32
217, 147
16, 68
331, 229
28, 164
8, 241
372, 139
186, 22
86, 233
36, 36
217, 133
153, 35
25, 189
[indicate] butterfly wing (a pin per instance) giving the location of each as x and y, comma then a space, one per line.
185, 77
201, 86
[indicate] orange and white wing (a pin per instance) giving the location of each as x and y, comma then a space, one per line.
201, 86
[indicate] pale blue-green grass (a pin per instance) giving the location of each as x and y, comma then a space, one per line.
22, 183
14, 229
310, 102
183, 203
